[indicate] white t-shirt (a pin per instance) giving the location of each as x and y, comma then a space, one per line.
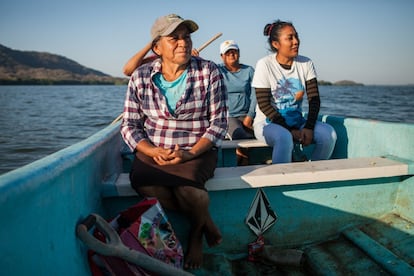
287, 86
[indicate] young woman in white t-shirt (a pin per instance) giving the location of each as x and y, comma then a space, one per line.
281, 81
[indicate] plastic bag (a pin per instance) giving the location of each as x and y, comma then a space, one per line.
143, 227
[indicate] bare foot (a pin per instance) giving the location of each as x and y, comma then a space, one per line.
194, 257
212, 233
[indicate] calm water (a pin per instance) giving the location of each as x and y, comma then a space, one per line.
38, 120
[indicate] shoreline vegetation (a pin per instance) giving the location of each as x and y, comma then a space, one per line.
41, 68
340, 83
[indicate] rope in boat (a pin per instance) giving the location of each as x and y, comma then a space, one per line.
199, 50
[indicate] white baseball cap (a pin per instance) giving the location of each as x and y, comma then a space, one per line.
228, 45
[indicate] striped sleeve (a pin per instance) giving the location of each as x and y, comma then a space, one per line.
132, 127
217, 106
312, 93
263, 96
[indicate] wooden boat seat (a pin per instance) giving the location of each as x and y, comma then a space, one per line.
259, 152
255, 176
243, 143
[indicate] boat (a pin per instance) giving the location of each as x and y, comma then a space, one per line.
351, 215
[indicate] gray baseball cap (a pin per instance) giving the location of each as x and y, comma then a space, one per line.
165, 25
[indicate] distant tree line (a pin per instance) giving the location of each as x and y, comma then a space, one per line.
340, 83
38, 68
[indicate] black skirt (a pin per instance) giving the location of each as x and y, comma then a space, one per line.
195, 172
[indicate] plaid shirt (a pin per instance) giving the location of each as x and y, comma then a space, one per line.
200, 112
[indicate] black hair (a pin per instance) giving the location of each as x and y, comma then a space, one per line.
272, 30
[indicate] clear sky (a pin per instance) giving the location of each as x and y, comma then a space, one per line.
361, 40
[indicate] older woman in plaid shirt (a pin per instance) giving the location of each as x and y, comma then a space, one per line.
175, 115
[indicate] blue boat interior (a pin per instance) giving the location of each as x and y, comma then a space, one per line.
348, 227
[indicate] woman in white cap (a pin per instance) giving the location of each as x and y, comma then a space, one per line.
175, 115
240, 93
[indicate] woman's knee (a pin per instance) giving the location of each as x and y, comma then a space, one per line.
325, 134
154, 191
278, 135
192, 195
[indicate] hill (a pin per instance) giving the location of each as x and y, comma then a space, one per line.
30, 67
341, 83
347, 83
